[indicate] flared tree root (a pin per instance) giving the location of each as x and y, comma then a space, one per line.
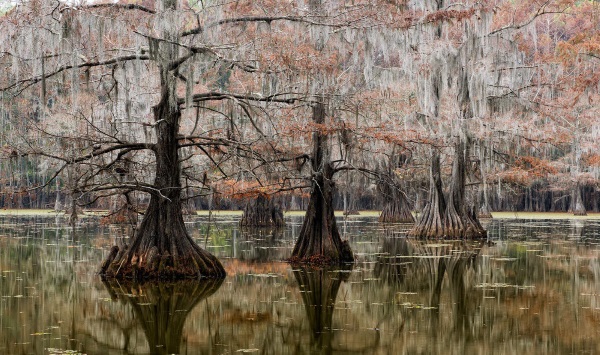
441, 220
149, 264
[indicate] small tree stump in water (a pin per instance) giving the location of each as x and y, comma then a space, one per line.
262, 212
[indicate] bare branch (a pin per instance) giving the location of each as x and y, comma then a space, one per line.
31, 81
123, 6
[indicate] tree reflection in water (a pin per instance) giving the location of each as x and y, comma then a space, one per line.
162, 308
261, 245
419, 266
319, 288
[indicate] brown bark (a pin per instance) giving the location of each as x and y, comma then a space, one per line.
161, 247
451, 220
459, 222
319, 241
578, 206
396, 208
430, 224
262, 212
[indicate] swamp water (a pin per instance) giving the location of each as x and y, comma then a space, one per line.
534, 288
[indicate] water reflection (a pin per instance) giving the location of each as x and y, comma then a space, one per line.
319, 288
417, 267
161, 309
260, 244
534, 290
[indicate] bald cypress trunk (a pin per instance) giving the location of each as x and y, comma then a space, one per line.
578, 206
161, 247
319, 241
460, 223
430, 224
396, 208
451, 220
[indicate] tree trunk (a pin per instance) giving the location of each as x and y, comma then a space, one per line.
161, 247
485, 211
451, 220
262, 212
459, 221
431, 225
396, 208
578, 206
319, 241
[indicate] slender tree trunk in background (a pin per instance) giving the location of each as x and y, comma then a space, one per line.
262, 212
578, 206
485, 211
319, 241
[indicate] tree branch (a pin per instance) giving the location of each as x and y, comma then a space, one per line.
123, 6
31, 81
267, 19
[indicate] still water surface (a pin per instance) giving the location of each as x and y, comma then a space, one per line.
533, 288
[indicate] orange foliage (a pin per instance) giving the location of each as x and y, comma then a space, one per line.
592, 159
528, 169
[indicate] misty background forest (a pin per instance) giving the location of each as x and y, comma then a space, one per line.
401, 83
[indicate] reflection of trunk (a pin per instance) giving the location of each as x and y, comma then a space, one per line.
161, 309
262, 212
451, 220
319, 290
392, 268
578, 206
319, 240
260, 245
396, 208
423, 266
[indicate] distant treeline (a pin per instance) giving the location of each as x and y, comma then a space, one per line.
539, 197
